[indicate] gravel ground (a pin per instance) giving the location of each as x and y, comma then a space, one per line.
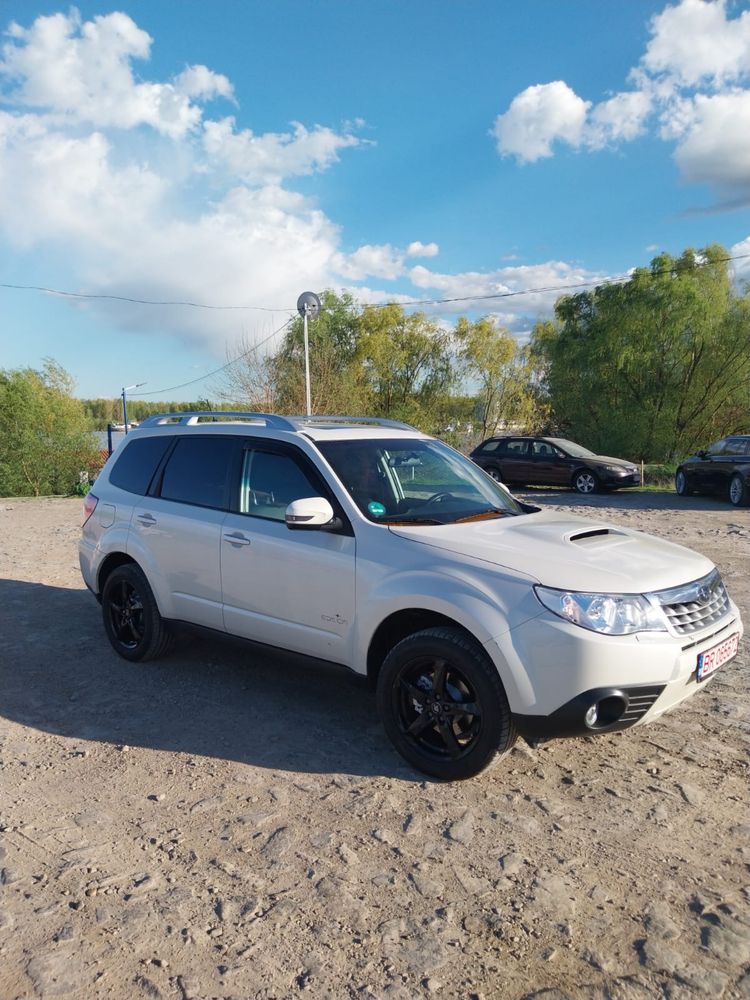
230, 823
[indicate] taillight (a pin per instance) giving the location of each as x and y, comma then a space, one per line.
89, 506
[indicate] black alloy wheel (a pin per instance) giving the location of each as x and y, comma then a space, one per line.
132, 621
443, 705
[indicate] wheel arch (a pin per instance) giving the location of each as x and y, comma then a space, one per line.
398, 626
112, 562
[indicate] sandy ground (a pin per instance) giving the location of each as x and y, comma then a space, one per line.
231, 823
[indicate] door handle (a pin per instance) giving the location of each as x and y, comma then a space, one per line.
236, 539
146, 519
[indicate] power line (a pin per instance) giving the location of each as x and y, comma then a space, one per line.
381, 305
140, 302
234, 361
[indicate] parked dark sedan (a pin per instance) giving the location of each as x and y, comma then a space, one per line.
724, 468
550, 461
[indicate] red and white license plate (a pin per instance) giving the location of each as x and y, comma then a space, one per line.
717, 656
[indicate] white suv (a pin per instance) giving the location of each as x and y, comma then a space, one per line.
364, 542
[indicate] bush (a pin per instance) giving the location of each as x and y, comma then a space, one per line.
44, 437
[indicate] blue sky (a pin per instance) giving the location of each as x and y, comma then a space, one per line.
237, 154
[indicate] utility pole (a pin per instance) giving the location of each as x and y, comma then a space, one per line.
308, 305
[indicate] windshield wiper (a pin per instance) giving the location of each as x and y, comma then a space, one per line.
480, 515
409, 519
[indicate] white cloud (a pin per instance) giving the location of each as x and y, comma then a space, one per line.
691, 85
81, 71
716, 147
419, 249
622, 117
268, 158
539, 116
694, 41
489, 291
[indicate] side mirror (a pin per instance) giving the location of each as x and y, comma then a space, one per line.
311, 513
702, 453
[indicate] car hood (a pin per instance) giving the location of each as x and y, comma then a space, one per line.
606, 460
571, 553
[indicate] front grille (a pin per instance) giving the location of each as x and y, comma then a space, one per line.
640, 700
695, 606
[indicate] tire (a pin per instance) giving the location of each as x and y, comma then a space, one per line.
132, 621
495, 473
586, 482
739, 495
456, 745
681, 483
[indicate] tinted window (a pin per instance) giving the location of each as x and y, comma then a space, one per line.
516, 449
135, 467
490, 446
270, 482
736, 446
197, 471
718, 448
542, 449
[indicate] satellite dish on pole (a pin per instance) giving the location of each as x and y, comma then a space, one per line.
308, 306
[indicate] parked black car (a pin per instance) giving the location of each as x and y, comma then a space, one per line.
550, 461
723, 468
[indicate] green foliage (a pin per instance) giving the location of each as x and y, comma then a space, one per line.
491, 357
44, 433
652, 368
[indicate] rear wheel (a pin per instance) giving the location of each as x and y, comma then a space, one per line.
585, 481
495, 473
739, 495
131, 618
443, 704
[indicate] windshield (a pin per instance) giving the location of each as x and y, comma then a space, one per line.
415, 482
573, 449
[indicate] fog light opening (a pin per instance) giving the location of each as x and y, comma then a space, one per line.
605, 713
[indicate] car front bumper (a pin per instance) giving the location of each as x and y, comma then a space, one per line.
555, 672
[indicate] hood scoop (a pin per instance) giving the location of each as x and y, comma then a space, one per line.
593, 535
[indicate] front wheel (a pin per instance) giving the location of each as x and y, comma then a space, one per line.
681, 483
739, 495
443, 704
131, 618
585, 482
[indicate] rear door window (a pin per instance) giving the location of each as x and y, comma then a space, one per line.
516, 449
198, 471
139, 460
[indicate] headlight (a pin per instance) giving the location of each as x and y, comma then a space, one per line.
612, 614
617, 469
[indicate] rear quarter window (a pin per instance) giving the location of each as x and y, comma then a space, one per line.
135, 468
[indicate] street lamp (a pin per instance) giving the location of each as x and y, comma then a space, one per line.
126, 389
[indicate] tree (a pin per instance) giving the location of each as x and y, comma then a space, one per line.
652, 368
406, 365
490, 357
45, 440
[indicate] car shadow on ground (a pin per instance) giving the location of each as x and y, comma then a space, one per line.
625, 500
216, 698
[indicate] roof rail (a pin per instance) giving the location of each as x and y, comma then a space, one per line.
372, 421
194, 417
